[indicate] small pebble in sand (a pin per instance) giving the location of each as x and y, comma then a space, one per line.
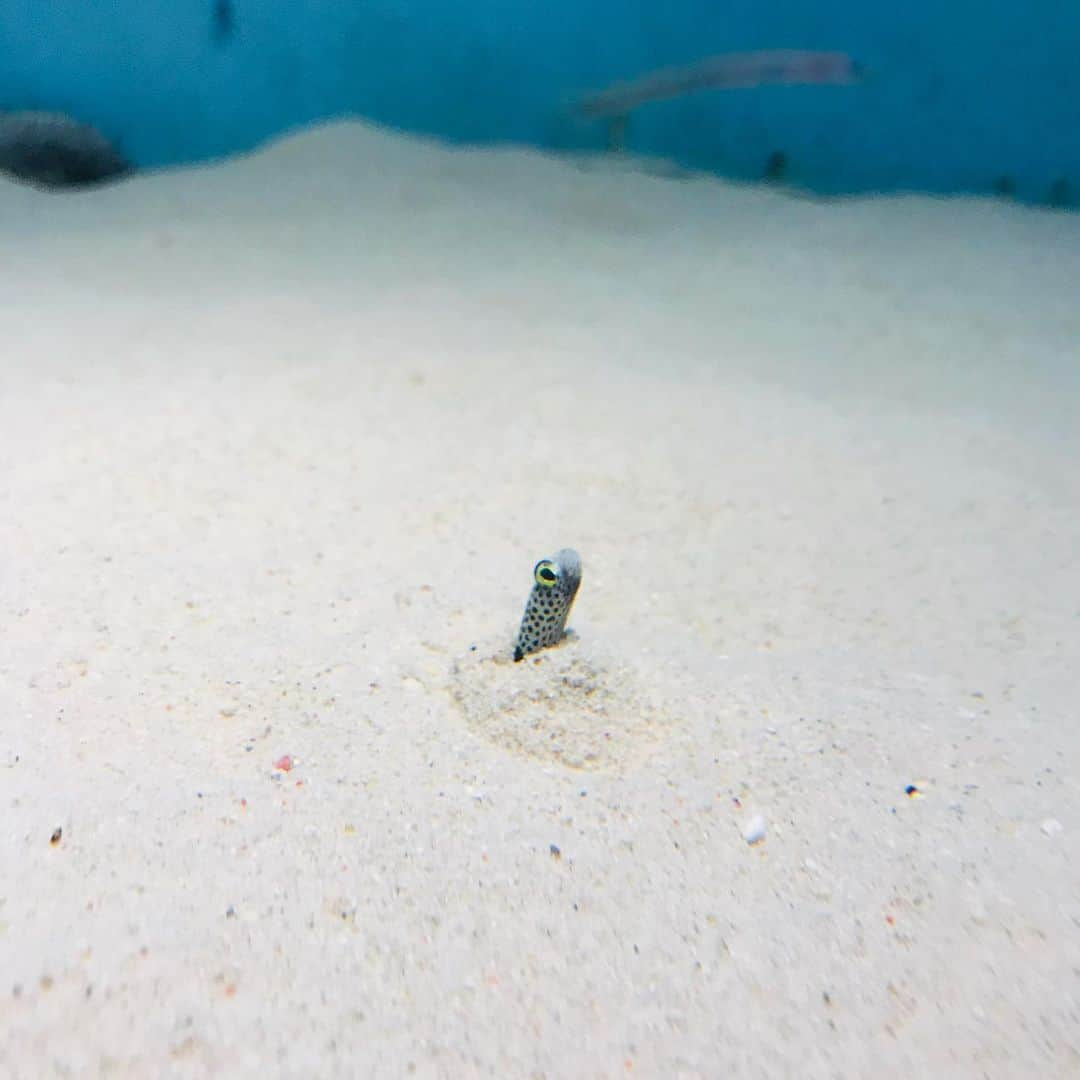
59, 832
754, 830
1051, 826
284, 763
555, 852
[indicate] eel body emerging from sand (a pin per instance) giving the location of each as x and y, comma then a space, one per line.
555, 584
54, 151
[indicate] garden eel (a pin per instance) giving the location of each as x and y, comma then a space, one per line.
556, 582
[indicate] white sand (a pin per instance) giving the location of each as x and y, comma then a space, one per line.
281, 439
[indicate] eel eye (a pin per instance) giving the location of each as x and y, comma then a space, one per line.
545, 573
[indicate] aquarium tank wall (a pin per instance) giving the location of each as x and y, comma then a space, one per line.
952, 99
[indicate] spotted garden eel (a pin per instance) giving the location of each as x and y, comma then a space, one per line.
555, 584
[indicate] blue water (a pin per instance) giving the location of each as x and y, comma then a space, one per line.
960, 99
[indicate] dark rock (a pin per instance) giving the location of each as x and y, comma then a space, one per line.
54, 151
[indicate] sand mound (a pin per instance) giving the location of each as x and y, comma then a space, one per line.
572, 705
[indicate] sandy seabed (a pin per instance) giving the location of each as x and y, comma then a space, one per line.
280, 442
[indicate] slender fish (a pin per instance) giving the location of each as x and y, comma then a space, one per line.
555, 584
729, 71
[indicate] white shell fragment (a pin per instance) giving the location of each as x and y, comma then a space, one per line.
1051, 826
754, 830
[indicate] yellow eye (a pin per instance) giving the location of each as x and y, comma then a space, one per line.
546, 573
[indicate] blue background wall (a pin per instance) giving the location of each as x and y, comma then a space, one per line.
960, 94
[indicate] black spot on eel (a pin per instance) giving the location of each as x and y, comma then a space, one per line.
555, 584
